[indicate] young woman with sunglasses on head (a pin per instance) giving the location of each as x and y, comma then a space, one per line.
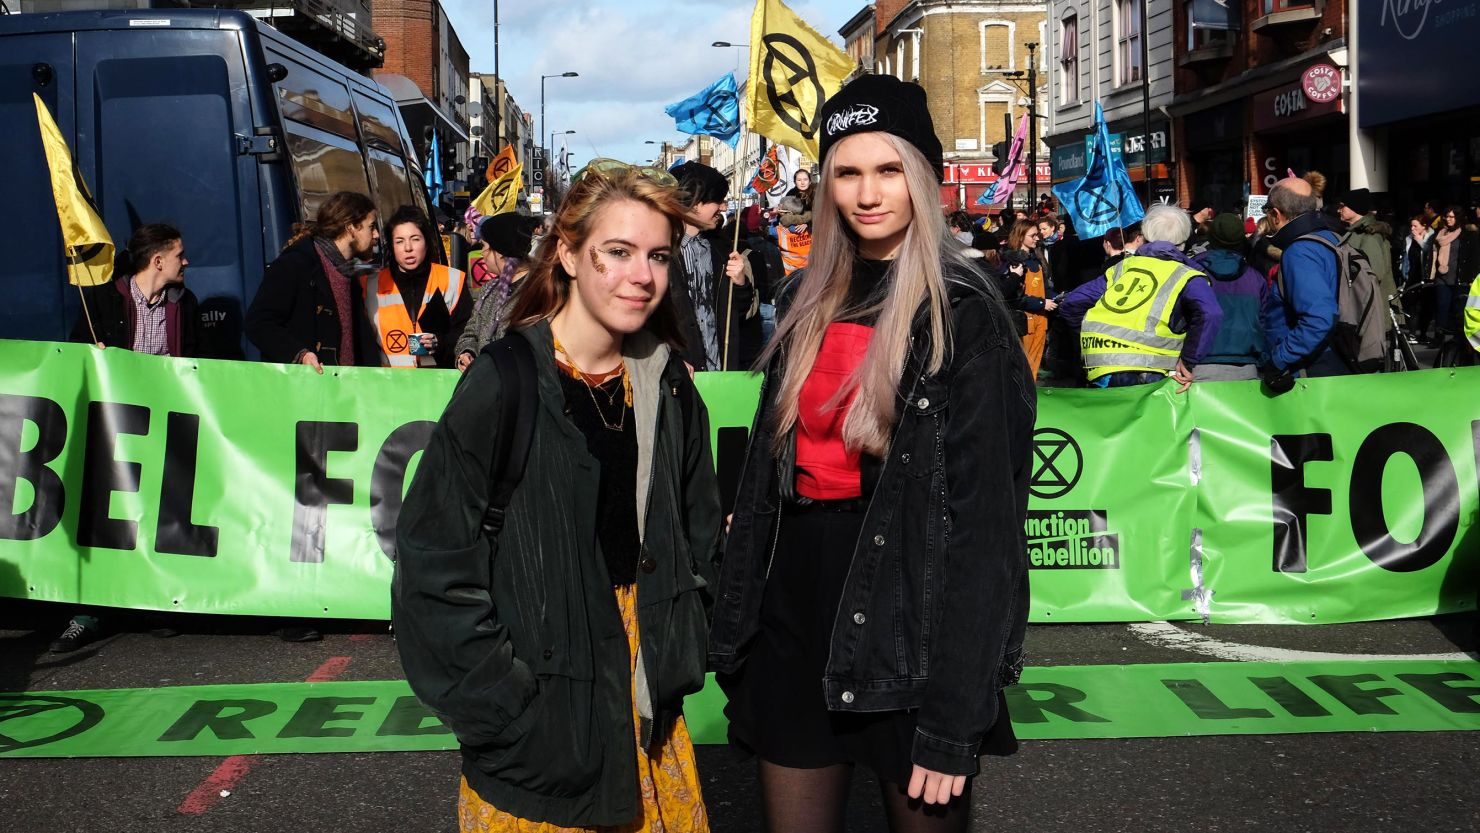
560, 648
873, 596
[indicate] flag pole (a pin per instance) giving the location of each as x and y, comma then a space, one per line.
88, 315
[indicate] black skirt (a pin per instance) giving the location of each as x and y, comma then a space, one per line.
776, 705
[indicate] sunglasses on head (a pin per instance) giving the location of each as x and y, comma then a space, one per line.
609, 168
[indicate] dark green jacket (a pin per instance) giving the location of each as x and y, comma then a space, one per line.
517, 644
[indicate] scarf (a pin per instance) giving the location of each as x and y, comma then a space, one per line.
1441, 255
413, 287
337, 271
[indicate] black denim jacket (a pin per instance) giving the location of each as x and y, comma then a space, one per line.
935, 604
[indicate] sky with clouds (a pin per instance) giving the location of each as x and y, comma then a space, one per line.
634, 57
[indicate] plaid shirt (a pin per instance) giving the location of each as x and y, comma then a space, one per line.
149, 323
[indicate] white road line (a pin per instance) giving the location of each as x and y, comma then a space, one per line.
1167, 635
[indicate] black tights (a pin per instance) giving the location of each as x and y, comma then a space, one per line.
815, 801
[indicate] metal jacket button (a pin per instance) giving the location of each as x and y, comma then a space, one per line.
847, 697
923, 403
878, 540
859, 618
648, 564
905, 458
549, 653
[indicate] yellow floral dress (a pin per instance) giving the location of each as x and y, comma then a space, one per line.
671, 800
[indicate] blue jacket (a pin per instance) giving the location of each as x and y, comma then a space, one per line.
1298, 324
1240, 291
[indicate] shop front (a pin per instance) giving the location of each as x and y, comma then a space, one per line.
1211, 161
965, 182
1129, 142
1301, 127
1430, 128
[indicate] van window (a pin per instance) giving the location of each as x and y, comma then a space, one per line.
315, 99
392, 183
378, 121
324, 164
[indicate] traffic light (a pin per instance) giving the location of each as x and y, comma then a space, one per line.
999, 158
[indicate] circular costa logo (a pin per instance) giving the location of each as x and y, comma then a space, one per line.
1321, 83
1057, 464
31, 720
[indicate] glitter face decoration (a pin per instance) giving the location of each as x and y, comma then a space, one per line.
596, 261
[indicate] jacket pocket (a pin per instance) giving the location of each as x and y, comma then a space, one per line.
919, 450
557, 750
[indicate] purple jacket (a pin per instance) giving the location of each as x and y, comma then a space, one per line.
1196, 311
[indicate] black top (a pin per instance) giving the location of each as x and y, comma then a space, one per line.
616, 454
866, 289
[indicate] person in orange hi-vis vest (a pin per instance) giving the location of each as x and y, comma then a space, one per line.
416, 308
1025, 272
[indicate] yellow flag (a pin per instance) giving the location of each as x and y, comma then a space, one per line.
89, 247
501, 164
793, 69
502, 195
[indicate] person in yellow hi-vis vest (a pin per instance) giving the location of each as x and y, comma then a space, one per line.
1472, 314
416, 308
1152, 316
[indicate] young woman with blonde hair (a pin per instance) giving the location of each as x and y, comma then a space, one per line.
873, 597
559, 647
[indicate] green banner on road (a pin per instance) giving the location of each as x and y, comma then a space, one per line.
257, 489
1051, 703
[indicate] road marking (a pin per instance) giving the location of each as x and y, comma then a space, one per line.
223, 780
1167, 635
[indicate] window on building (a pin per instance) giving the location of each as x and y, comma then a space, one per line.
998, 44
1069, 60
1210, 25
1272, 6
1128, 67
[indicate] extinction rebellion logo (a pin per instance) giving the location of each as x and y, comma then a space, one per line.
1070, 538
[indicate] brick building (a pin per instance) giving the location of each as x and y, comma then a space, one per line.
972, 58
1260, 90
426, 68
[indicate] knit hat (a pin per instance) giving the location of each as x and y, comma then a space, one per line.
1226, 231
1358, 200
881, 103
509, 234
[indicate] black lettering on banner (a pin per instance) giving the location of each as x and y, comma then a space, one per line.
388, 479
1295, 502
1440, 494
1346, 689
1206, 705
103, 474
1457, 699
409, 718
1290, 697
1025, 708
213, 715
729, 456
312, 717
175, 534
313, 489
16, 464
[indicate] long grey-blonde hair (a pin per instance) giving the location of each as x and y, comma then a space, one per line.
915, 279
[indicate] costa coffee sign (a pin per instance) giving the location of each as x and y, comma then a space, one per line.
1316, 94
1321, 83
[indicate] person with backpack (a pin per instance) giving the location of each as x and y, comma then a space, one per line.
570, 477
1240, 290
1301, 309
1373, 238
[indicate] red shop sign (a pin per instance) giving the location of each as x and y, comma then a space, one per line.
1321, 83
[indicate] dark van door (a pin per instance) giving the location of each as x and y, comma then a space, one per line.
168, 120
39, 303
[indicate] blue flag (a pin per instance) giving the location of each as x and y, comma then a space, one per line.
713, 111
1104, 197
433, 174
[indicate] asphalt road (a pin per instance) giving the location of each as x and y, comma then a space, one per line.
1323, 782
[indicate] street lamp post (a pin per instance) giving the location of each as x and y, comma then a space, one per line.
1032, 127
544, 152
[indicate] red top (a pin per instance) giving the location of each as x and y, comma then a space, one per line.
825, 469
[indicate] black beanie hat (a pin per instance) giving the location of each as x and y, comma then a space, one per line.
1358, 200
700, 183
509, 234
882, 103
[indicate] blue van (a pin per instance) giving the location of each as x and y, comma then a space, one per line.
204, 119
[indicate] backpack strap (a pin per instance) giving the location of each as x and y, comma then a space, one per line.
518, 397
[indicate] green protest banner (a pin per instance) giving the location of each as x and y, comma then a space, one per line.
1051, 703
257, 489
1343, 500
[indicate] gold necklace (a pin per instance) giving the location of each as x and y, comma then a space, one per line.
579, 374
